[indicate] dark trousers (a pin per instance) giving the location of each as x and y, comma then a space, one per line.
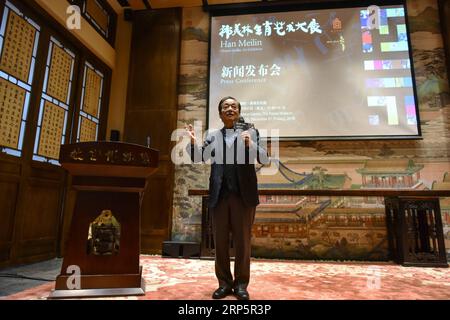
231, 214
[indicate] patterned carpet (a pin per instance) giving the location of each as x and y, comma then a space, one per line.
193, 279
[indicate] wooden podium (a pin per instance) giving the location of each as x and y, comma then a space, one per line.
102, 253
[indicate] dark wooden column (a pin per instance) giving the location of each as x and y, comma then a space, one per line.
151, 111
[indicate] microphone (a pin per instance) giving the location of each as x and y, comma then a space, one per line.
242, 125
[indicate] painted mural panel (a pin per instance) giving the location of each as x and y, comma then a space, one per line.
192, 90
335, 228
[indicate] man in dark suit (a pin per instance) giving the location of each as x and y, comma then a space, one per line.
233, 194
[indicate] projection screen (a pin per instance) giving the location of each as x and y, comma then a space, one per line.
326, 73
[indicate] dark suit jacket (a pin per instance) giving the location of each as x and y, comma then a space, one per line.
213, 150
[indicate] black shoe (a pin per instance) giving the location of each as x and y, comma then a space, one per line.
241, 294
221, 293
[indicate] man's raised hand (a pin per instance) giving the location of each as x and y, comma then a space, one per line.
191, 133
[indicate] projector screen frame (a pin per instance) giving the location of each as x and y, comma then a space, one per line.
274, 7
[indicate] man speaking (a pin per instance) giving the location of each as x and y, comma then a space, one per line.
233, 193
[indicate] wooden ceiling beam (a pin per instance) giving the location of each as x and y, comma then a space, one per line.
123, 3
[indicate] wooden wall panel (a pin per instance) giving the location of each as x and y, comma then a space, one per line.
38, 217
35, 250
154, 220
152, 111
30, 198
69, 207
10, 171
10, 167
8, 196
41, 208
154, 60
